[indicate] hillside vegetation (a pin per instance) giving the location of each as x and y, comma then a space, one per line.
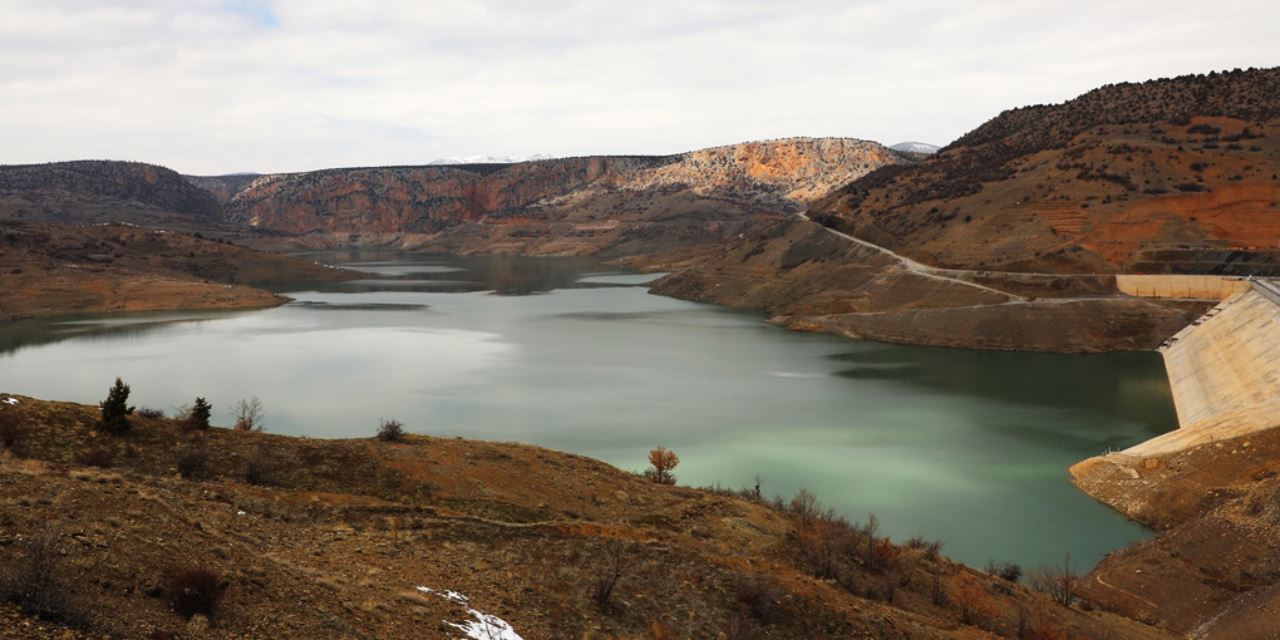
1175, 175
367, 538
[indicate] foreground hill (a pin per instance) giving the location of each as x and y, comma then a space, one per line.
94, 191
1214, 570
1175, 175
383, 539
54, 269
619, 205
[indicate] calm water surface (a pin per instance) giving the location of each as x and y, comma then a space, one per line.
966, 446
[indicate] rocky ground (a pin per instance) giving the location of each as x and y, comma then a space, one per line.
1214, 569
368, 538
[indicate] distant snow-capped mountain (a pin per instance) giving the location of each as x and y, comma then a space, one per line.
492, 159
916, 147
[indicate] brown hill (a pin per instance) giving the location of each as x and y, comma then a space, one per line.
94, 191
53, 269
1175, 175
1214, 570
333, 538
617, 204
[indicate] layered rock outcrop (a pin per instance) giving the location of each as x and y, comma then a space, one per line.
569, 205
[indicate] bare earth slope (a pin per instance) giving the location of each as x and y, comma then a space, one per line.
811, 279
56, 269
333, 538
1174, 175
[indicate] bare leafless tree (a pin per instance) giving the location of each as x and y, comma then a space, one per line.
1060, 584
614, 564
249, 414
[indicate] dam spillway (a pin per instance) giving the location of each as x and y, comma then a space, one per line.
1224, 371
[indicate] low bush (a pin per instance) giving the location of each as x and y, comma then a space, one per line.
151, 413
11, 430
32, 581
761, 599
192, 463
194, 591
100, 456
614, 563
390, 431
258, 472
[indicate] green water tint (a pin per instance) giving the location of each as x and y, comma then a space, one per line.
970, 447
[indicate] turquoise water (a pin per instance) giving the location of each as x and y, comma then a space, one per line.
971, 447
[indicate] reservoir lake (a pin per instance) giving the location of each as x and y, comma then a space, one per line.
968, 447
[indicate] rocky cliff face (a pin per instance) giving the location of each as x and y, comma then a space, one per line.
570, 205
90, 191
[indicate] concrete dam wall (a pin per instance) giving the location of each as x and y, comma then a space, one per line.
1188, 286
1224, 370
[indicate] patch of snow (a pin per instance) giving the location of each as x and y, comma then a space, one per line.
10, 401
492, 159
486, 627
241, 513
916, 147
483, 627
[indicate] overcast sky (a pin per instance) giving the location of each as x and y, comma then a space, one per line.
218, 86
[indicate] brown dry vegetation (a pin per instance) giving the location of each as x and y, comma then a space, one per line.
1175, 175
335, 540
55, 269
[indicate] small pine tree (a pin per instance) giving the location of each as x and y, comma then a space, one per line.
116, 409
200, 412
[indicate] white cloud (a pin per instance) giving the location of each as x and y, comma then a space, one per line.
225, 85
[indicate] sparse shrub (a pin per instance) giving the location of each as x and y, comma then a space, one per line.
151, 413
198, 416
804, 505
194, 591
937, 594
257, 471
1060, 584
32, 581
192, 463
931, 549
390, 431
249, 414
662, 461
100, 456
824, 542
614, 564
116, 409
884, 555
10, 428
760, 598
1011, 571
976, 606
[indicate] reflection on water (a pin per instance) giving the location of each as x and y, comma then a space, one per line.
966, 446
